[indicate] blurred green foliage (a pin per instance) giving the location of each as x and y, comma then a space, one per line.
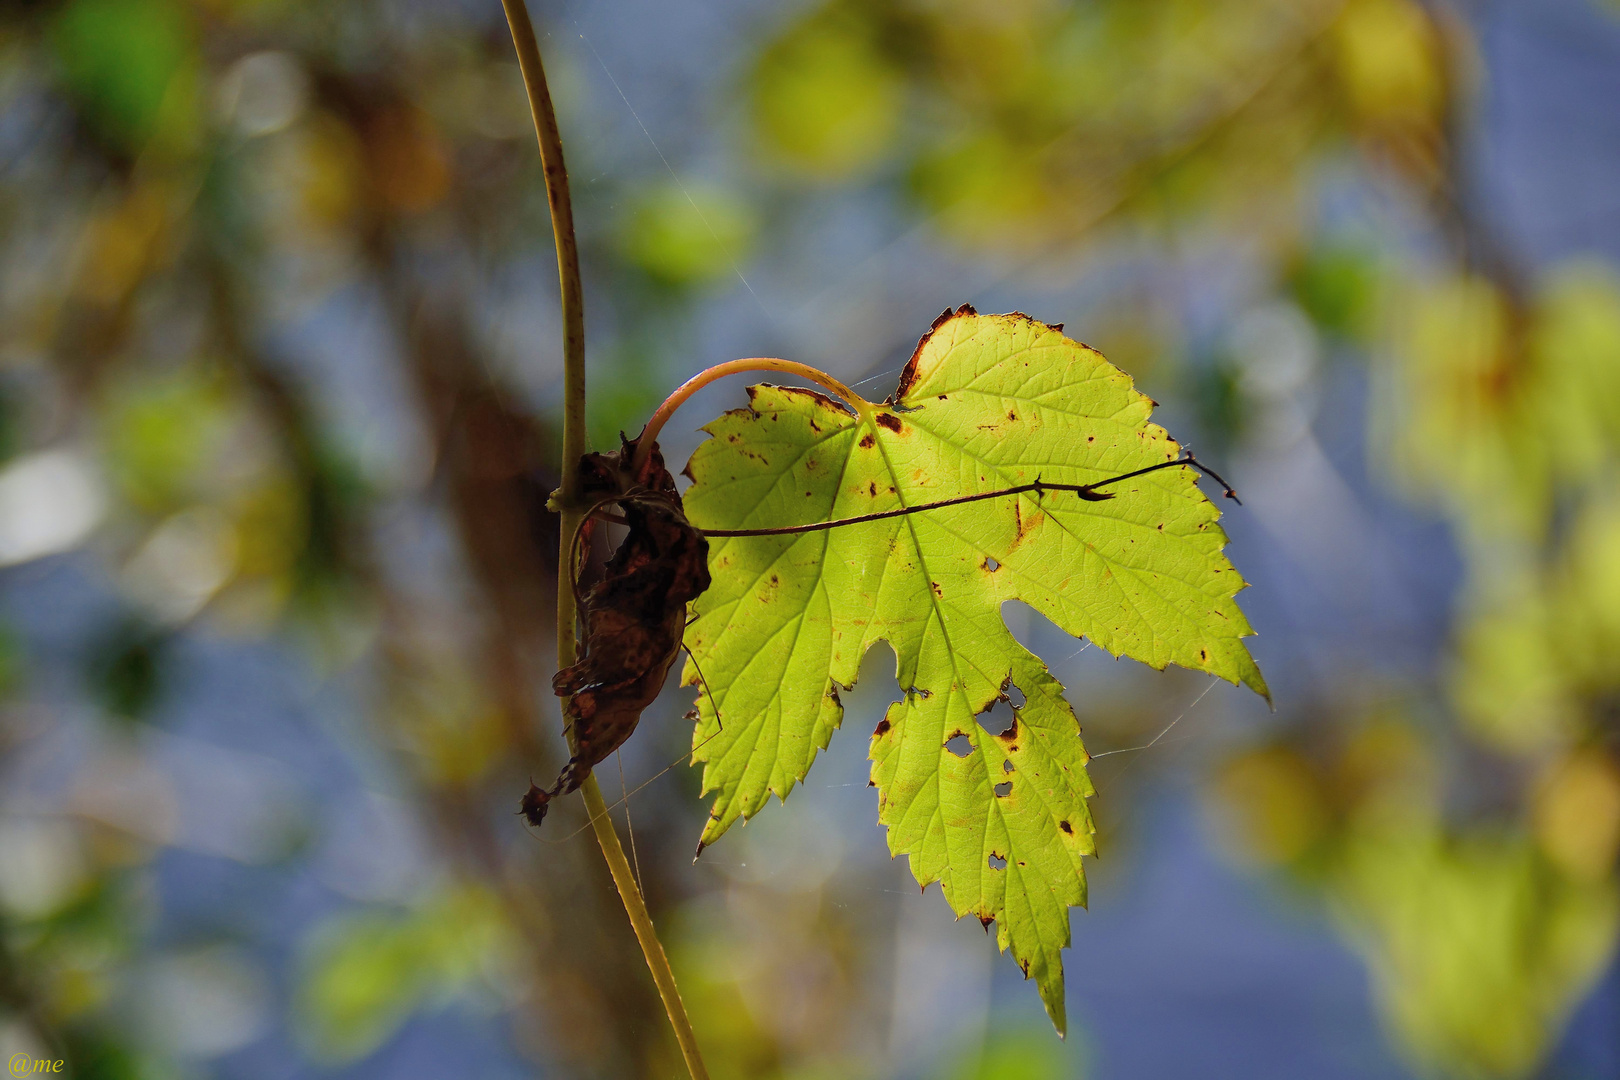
1013, 1053
10, 407
131, 64
368, 971
687, 235
1338, 287
11, 661
126, 670
827, 97
163, 436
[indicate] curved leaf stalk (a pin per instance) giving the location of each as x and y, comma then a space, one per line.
649, 434
568, 503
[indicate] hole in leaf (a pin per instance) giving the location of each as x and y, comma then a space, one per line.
959, 744
1002, 714
1007, 766
997, 718
1003, 789
997, 862
990, 564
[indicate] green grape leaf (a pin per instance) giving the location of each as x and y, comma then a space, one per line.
987, 402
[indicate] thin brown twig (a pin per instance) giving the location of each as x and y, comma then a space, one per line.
1088, 492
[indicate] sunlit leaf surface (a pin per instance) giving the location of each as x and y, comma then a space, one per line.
988, 402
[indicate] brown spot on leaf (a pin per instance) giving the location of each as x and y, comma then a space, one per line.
1011, 415
1066, 827
868, 441
871, 488
888, 420
1025, 526
881, 729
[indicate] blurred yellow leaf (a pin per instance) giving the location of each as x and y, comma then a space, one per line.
1574, 345
1388, 59
1577, 814
1451, 421
1586, 596
161, 435
1490, 409
1509, 682
1479, 949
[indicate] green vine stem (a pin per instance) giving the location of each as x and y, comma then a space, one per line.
568, 502
649, 434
